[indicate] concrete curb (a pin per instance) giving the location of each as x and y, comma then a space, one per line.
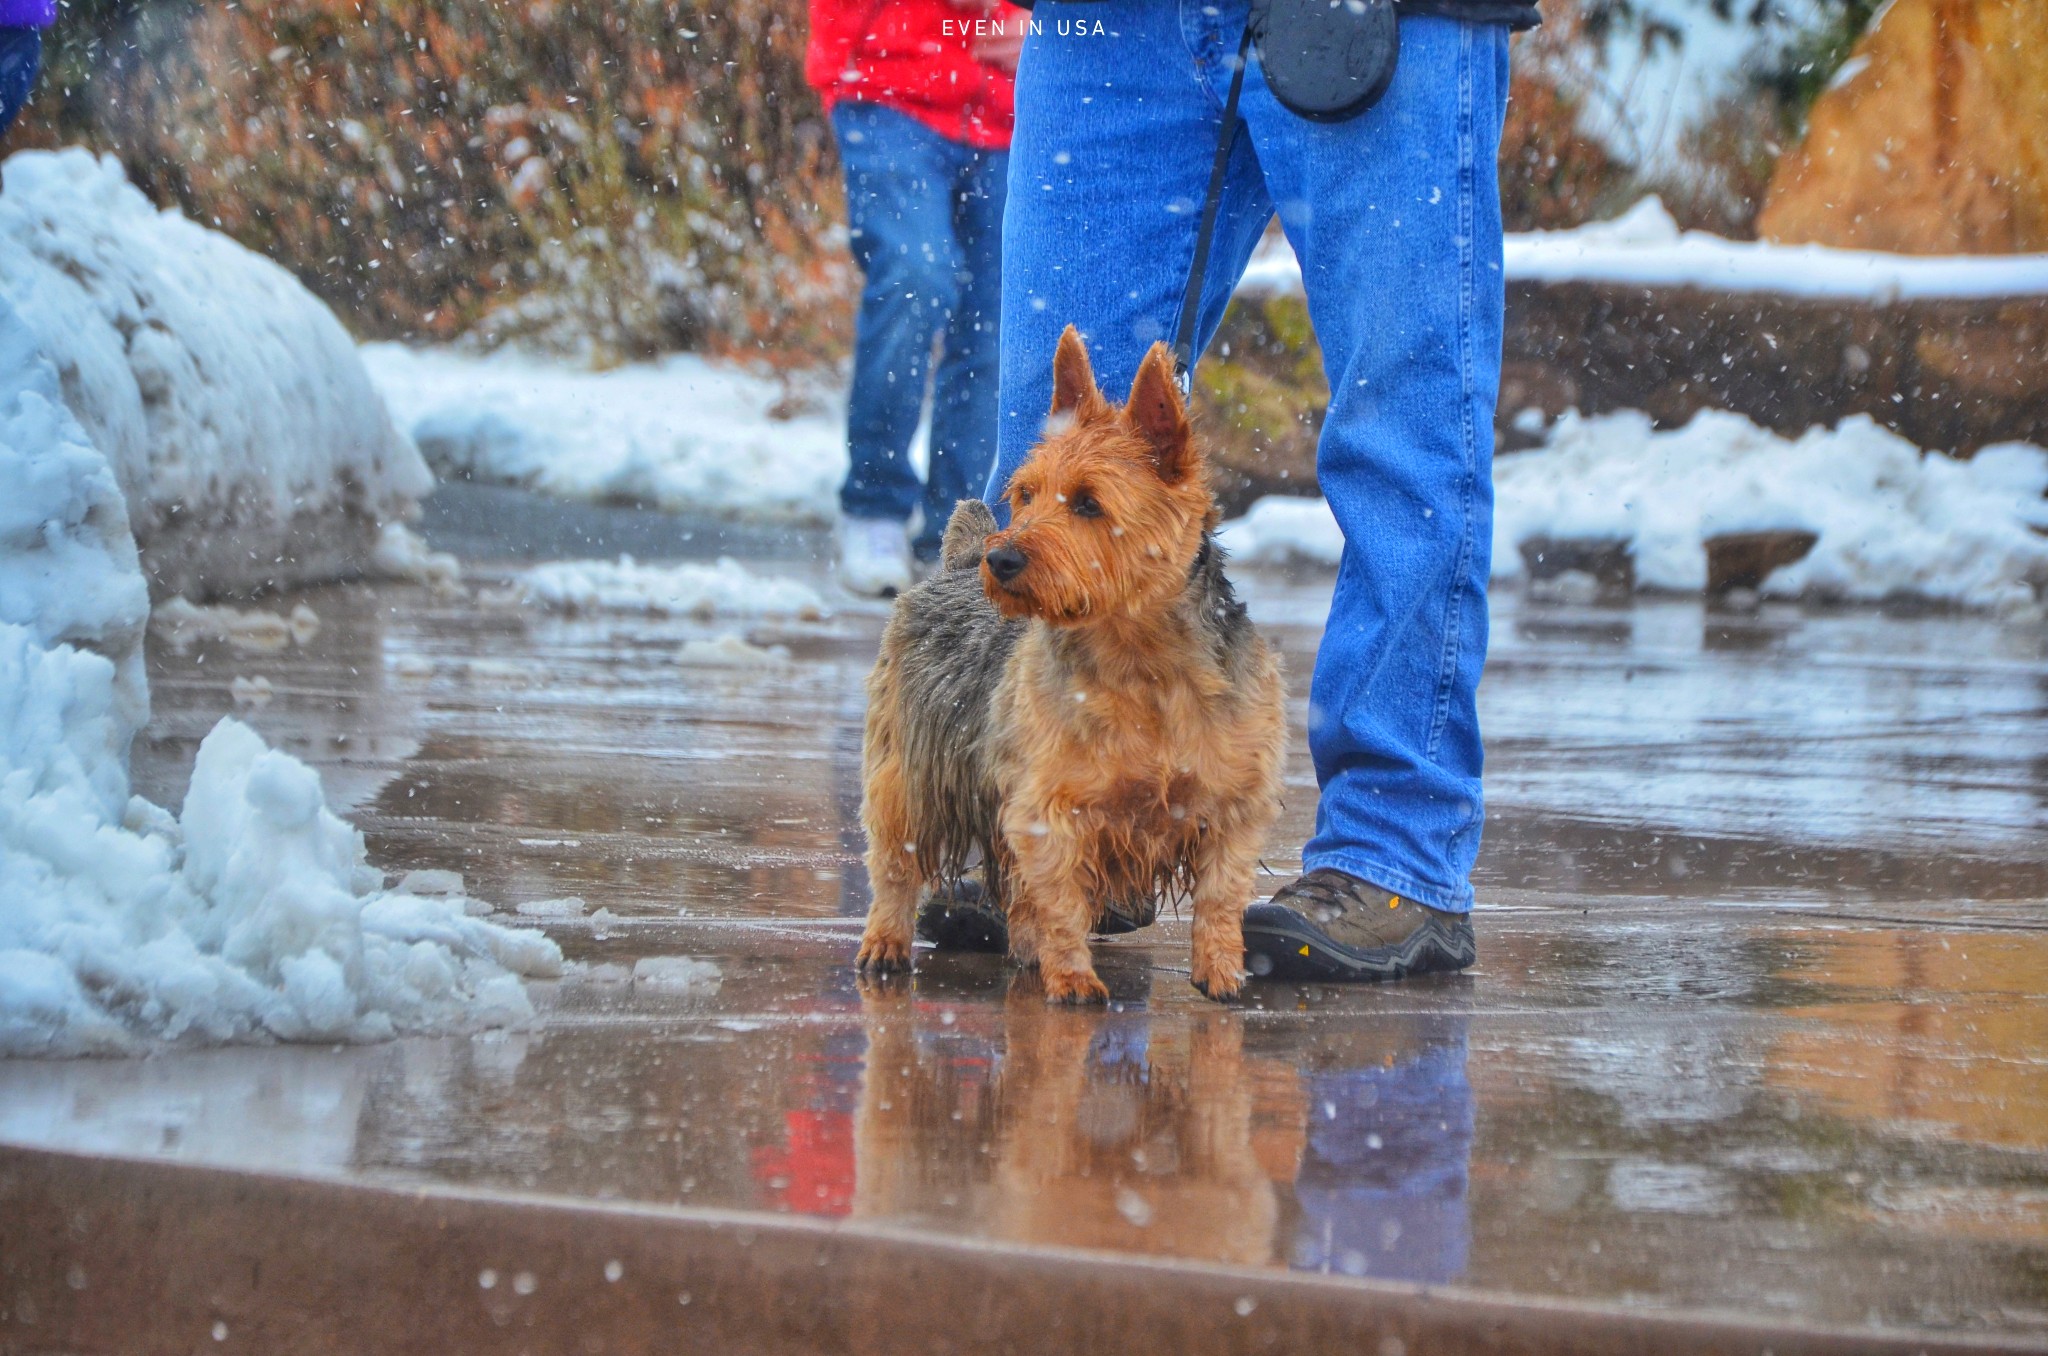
139, 1257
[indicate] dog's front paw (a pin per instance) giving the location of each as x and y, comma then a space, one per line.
881, 954
1072, 986
1222, 980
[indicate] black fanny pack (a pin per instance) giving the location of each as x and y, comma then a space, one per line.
1328, 60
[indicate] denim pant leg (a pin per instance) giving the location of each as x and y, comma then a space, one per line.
1395, 215
1108, 168
1396, 219
964, 386
899, 208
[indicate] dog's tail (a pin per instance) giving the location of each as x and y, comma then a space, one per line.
966, 530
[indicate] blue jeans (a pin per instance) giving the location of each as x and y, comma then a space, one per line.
925, 214
1396, 218
21, 51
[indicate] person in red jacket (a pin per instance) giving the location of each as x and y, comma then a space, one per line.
919, 93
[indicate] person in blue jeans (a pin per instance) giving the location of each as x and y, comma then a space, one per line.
1395, 216
919, 93
925, 218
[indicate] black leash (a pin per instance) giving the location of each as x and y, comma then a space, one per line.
1191, 300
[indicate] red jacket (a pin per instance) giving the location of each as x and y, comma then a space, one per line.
915, 56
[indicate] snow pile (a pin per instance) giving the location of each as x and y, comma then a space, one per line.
733, 652
1282, 529
1890, 521
252, 915
1645, 247
181, 624
68, 573
677, 974
223, 393
682, 433
571, 906
401, 553
726, 589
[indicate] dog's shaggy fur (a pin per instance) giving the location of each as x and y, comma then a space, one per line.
1080, 700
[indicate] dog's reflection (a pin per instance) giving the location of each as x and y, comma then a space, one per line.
1342, 1148
1083, 1129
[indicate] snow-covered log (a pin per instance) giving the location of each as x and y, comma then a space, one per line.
1885, 519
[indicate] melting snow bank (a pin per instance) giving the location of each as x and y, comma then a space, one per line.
240, 423
726, 589
683, 434
68, 571
252, 915
1890, 521
1645, 247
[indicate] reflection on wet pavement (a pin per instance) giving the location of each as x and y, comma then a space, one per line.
1760, 1022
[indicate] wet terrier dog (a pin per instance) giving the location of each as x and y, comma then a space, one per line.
1080, 700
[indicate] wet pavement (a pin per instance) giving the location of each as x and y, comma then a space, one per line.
1760, 1022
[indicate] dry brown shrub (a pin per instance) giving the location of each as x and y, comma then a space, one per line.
1552, 175
1726, 164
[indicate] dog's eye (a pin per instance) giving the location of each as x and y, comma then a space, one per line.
1085, 505
1023, 498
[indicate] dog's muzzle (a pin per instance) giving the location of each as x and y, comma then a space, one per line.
1005, 563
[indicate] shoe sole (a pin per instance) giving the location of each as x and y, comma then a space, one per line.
1114, 924
952, 925
1293, 950
962, 927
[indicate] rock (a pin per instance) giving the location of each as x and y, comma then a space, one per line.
1739, 562
1932, 139
1580, 569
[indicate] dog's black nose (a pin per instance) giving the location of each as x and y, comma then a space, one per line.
1005, 563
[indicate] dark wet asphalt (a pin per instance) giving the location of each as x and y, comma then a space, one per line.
1760, 1021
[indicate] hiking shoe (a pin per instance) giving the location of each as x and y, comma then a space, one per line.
1329, 926
962, 917
874, 556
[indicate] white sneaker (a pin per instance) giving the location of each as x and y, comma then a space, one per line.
874, 556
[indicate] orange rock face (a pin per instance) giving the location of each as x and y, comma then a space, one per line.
1932, 140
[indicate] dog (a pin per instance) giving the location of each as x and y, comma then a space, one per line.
1080, 700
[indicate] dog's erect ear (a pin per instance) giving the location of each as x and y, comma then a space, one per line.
1159, 416
1073, 380
967, 531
